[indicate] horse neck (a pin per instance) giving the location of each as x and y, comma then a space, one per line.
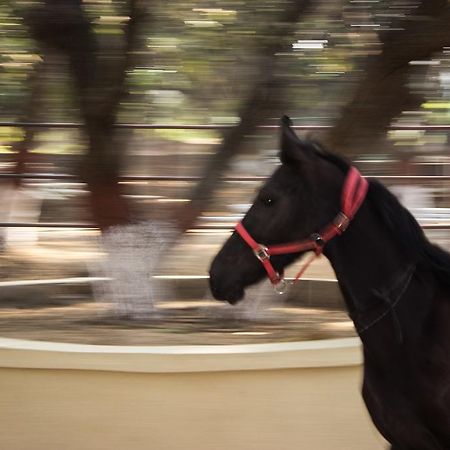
366, 258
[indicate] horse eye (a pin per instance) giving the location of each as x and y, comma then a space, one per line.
267, 201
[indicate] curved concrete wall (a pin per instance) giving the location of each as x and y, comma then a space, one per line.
263, 397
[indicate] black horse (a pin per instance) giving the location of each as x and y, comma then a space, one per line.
396, 284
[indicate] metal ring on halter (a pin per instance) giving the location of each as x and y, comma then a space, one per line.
318, 240
281, 286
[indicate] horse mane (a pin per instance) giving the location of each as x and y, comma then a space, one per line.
402, 225
407, 232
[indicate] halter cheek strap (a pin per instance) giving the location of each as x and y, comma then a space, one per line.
354, 192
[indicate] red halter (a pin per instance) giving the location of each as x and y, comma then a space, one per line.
353, 194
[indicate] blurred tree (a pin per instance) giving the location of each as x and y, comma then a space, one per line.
99, 69
100, 74
264, 100
383, 92
205, 62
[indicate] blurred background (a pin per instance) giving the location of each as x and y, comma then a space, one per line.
134, 134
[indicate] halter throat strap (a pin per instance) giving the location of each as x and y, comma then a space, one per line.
353, 194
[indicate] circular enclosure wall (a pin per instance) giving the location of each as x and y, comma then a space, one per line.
300, 395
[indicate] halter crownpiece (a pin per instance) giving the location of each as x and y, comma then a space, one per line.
354, 192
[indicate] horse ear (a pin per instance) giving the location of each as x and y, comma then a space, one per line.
293, 149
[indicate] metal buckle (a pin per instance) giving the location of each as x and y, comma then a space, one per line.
341, 222
261, 253
280, 287
318, 239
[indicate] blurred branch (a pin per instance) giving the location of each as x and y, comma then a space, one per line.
261, 102
382, 94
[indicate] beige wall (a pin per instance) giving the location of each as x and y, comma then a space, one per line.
311, 408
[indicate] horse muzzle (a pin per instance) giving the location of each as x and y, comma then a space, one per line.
231, 294
225, 290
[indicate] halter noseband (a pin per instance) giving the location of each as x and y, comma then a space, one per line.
353, 194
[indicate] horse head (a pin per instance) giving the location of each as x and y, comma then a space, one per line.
301, 196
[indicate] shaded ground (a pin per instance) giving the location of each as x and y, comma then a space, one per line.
68, 313
175, 323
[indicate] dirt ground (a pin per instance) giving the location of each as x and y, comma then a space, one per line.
174, 323
55, 313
